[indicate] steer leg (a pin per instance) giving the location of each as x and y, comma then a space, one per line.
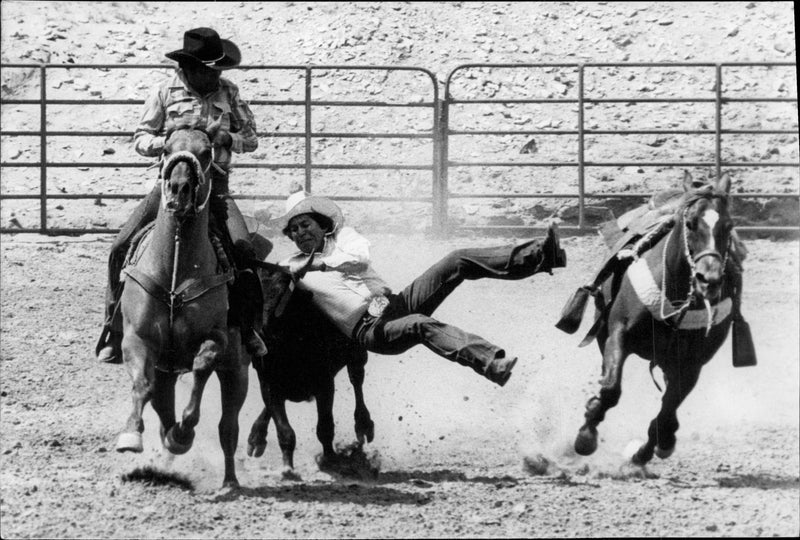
257, 440
364, 426
325, 424
286, 437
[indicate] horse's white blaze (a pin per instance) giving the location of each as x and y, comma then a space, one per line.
711, 217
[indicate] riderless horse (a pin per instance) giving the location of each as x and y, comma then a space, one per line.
672, 307
175, 308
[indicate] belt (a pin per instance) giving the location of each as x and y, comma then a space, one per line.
375, 310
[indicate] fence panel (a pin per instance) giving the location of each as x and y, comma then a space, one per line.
310, 92
596, 139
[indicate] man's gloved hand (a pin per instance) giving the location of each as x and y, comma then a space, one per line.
222, 139
627, 254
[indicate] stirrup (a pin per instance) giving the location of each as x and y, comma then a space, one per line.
744, 351
572, 314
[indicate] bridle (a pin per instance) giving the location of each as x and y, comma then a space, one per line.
169, 162
201, 173
691, 260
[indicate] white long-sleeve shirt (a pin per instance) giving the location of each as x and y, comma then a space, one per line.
344, 290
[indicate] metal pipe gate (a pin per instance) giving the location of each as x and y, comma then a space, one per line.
440, 137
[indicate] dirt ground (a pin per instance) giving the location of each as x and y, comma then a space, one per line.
451, 445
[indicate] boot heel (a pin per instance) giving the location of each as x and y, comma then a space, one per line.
572, 314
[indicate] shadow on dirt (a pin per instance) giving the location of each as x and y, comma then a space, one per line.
355, 493
762, 481
427, 478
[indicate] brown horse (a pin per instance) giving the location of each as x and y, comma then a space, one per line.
175, 309
672, 307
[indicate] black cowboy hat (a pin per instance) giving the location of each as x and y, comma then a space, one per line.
204, 45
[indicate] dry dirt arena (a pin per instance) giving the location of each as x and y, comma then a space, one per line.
451, 445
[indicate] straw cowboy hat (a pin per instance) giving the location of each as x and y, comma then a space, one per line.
204, 45
302, 202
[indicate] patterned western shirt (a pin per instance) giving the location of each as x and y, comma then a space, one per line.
343, 292
173, 103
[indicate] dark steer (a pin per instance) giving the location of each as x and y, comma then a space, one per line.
305, 353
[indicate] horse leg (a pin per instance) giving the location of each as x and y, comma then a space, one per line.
180, 437
141, 373
661, 433
164, 400
233, 391
257, 440
614, 355
286, 437
364, 426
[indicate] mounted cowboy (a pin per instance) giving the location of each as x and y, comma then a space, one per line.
637, 231
196, 96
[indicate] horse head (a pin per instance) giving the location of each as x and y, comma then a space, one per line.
185, 171
706, 225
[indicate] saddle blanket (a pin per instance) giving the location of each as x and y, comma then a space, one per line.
649, 293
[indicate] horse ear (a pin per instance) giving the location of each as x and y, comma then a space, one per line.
687, 181
724, 183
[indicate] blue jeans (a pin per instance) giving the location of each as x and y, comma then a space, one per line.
407, 320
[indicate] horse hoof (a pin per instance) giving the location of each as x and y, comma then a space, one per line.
256, 450
230, 485
177, 446
130, 442
586, 441
664, 453
290, 474
365, 432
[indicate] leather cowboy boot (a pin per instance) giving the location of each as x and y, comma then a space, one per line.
109, 348
554, 255
245, 252
499, 371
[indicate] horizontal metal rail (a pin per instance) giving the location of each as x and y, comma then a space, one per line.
440, 136
581, 131
308, 104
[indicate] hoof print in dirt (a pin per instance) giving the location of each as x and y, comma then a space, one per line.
351, 462
538, 465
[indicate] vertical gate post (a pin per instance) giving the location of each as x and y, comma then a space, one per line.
718, 127
308, 131
581, 156
43, 149
440, 188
